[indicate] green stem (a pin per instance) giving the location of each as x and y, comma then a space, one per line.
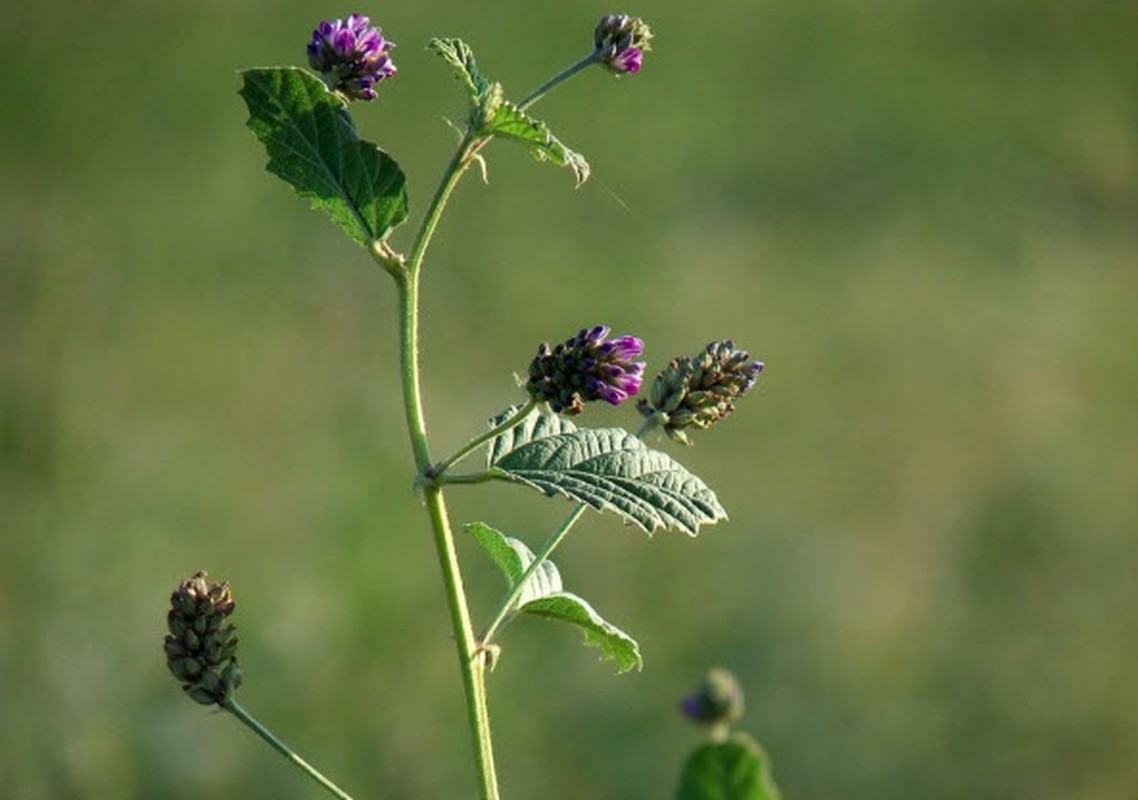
506, 607
470, 659
514, 420
459, 163
236, 710
468, 478
559, 78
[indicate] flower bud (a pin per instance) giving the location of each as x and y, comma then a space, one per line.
622, 40
586, 367
717, 701
200, 649
351, 56
700, 391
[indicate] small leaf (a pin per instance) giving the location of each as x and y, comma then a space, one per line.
543, 596
513, 558
732, 770
459, 55
510, 122
607, 469
313, 145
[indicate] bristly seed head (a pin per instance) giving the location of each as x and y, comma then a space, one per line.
586, 367
201, 652
622, 42
700, 391
351, 56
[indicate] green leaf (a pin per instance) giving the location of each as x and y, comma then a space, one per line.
313, 145
606, 468
459, 55
510, 122
543, 596
732, 770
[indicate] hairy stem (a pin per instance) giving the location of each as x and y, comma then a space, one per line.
236, 710
470, 658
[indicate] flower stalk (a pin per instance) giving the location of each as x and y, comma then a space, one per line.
470, 661
234, 708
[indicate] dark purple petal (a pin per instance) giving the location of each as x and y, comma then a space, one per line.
629, 60
627, 347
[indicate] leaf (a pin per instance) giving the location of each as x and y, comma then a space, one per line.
513, 558
313, 145
510, 122
614, 643
605, 468
459, 55
543, 596
732, 770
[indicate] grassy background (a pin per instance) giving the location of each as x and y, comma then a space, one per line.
922, 216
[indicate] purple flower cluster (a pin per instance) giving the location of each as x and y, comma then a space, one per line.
351, 56
587, 367
622, 40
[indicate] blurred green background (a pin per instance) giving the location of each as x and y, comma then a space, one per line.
923, 217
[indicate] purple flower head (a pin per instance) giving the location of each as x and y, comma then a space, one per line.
622, 41
351, 56
587, 367
700, 391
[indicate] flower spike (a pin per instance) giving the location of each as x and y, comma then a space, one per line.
699, 392
586, 367
201, 651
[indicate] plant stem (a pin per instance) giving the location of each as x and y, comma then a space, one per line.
514, 420
469, 657
560, 77
507, 604
236, 710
